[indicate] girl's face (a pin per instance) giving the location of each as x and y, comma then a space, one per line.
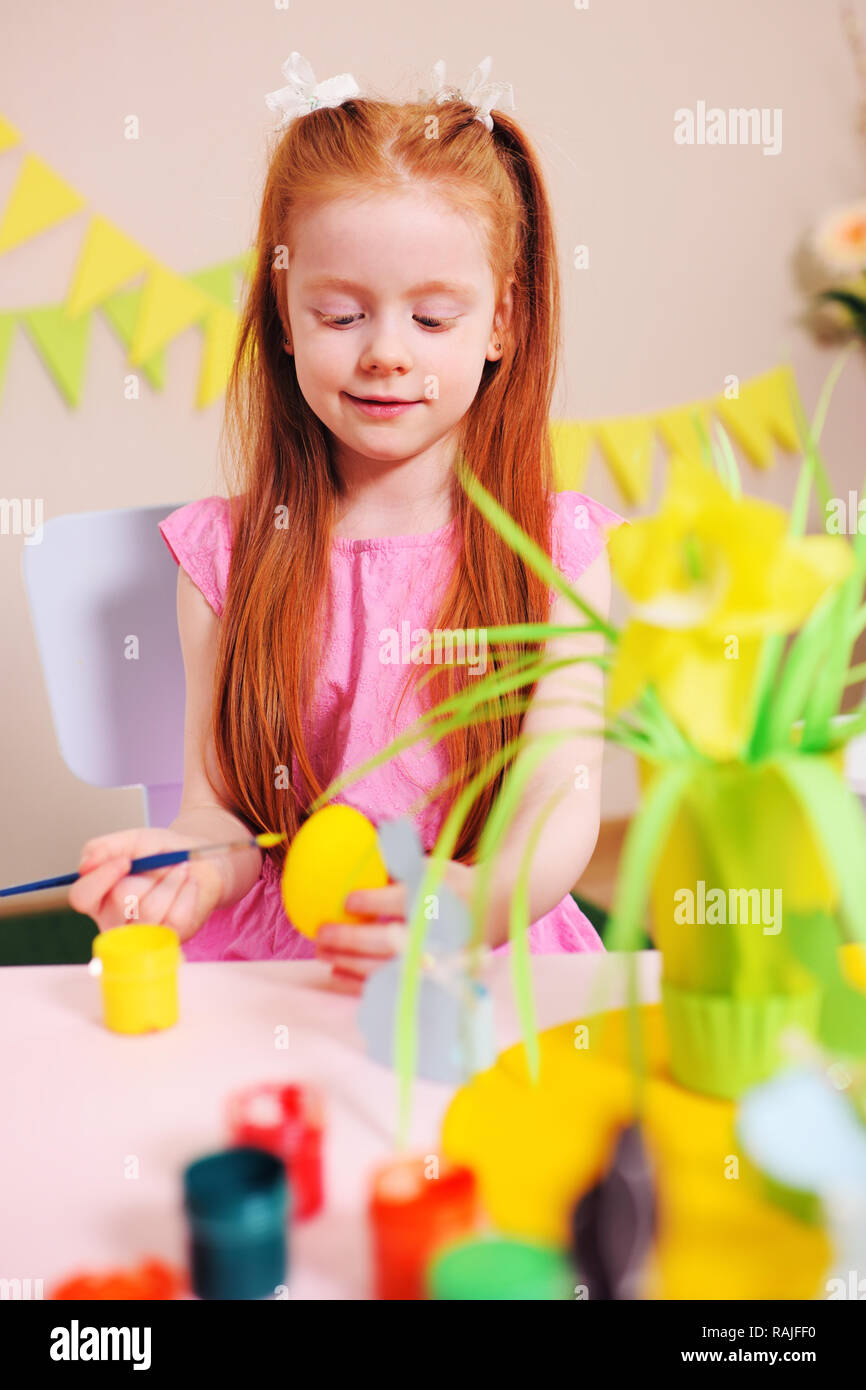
391, 296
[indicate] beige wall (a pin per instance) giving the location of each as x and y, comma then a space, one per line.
689, 276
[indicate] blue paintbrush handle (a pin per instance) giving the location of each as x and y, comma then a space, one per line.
148, 861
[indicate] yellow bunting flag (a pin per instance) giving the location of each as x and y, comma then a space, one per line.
221, 336
9, 136
762, 412
169, 305
679, 431
628, 447
39, 200
108, 259
7, 328
62, 344
122, 310
572, 442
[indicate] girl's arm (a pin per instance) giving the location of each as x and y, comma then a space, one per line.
572, 768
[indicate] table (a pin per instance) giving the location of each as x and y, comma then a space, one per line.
98, 1126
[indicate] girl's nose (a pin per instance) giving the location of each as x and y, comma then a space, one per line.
386, 353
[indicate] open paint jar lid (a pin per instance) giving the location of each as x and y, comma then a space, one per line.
490, 1267
276, 1117
137, 951
237, 1194
403, 1196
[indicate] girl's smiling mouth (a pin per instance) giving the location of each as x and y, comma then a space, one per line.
379, 407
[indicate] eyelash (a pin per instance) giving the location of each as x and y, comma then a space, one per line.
333, 320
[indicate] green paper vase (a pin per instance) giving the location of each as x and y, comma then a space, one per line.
739, 842
721, 1044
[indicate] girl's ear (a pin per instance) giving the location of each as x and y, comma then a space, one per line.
501, 323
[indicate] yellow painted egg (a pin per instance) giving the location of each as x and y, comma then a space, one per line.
335, 852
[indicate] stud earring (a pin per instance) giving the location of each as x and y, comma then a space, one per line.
498, 347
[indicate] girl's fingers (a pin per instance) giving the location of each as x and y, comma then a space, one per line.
123, 903
348, 982
353, 967
383, 939
183, 909
88, 894
159, 898
378, 902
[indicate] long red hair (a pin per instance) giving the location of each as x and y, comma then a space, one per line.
278, 577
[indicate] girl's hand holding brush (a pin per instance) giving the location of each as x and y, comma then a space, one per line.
181, 896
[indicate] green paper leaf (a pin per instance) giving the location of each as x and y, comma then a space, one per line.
814, 939
642, 845
836, 817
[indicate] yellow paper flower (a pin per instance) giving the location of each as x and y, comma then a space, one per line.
839, 242
709, 578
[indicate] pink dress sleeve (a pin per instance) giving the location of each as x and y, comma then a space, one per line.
580, 530
199, 537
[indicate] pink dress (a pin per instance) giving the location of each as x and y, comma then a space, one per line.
395, 584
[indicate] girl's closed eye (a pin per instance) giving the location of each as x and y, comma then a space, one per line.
346, 320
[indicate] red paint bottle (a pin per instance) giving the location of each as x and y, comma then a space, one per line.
288, 1122
412, 1214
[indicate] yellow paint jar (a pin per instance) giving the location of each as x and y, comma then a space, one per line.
138, 966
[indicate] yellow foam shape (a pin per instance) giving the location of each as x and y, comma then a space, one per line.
536, 1149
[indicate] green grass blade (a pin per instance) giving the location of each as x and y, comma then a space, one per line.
811, 467
518, 935
526, 548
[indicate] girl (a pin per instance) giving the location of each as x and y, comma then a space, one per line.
404, 309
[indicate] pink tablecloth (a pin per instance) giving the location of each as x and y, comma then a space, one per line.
97, 1127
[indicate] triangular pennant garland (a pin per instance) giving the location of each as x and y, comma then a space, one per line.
9, 136
572, 442
679, 432
7, 328
221, 335
108, 260
122, 310
628, 447
39, 200
760, 413
62, 344
170, 304
220, 283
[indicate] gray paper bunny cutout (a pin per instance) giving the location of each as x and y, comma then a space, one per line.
455, 1013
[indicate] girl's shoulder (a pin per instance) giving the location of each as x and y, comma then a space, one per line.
199, 536
580, 529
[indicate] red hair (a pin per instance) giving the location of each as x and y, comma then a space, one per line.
264, 673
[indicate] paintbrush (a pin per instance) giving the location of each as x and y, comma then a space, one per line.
156, 861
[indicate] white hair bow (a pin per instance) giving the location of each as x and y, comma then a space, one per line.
480, 93
304, 93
